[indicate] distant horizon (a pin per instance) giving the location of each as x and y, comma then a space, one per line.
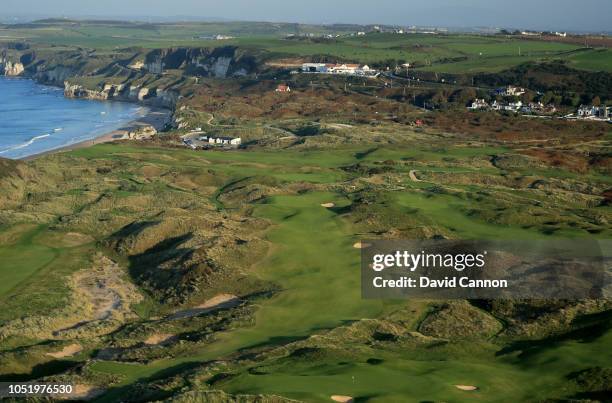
25, 18
542, 15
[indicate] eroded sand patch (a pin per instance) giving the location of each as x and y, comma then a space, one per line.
100, 301
221, 301
466, 387
85, 392
67, 351
342, 399
413, 177
328, 205
159, 339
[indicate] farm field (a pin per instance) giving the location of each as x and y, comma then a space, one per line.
448, 53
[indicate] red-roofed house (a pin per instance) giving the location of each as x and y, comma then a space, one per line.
283, 88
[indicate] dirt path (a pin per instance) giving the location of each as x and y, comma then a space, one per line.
221, 301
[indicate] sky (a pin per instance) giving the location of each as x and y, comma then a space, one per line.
573, 15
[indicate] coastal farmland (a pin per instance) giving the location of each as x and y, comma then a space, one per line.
448, 53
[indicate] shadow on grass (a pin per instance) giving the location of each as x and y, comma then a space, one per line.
590, 328
134, 393
41, 370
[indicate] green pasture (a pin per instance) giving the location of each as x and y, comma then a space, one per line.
594, 60
454, 53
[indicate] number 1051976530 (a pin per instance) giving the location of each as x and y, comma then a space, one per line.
10, 389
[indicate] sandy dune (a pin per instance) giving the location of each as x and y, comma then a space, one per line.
158, 338
67, 351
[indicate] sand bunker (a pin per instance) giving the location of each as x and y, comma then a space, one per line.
328, 205
413, 177
466, 387
67, 351
221, 301
158, 338
361, 245
342, 399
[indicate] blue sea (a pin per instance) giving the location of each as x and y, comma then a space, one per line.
35, 118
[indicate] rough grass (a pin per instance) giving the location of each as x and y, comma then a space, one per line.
163, 212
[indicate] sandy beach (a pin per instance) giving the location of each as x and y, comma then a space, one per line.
155, 117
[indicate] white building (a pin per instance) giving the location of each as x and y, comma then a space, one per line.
314, 68
221, 141
340, 69
511, 91
593, 112
349, 69
510, 107
479, 104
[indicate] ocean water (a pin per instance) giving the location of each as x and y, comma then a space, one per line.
35, 118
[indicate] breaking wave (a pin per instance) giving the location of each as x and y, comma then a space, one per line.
26, 144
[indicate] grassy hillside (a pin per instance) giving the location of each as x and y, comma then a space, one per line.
185, 226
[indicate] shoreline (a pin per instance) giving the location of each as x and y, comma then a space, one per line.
155, 118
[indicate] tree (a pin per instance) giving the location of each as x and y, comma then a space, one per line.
548, 98
527, 97
596, 101
464, 96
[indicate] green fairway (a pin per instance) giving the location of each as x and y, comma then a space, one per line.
22, 260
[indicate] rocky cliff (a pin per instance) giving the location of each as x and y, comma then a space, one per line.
221, 62
9, 67
123, 92
155, 77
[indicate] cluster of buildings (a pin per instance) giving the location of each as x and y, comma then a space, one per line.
340, 69
602, 112
212, 141
216, 37
510, 91
518, 106
538, 33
